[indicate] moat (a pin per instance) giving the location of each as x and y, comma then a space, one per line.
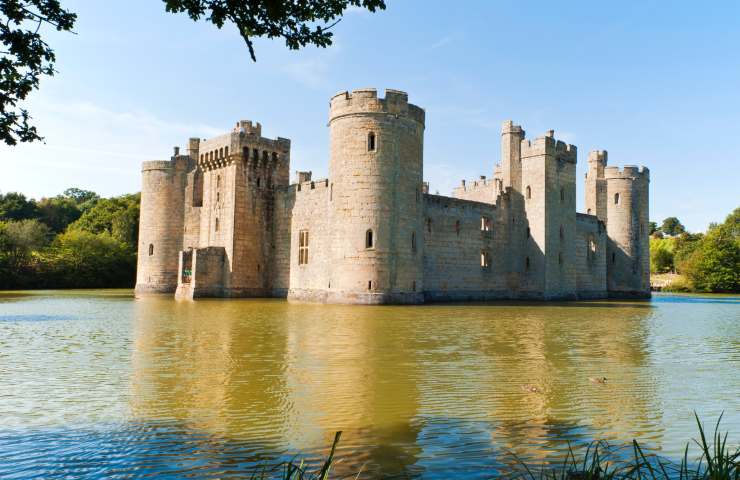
102, 385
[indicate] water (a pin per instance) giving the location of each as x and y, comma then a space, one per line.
97, 384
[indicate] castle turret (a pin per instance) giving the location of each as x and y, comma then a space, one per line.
161, 223
376, 205
596, 184
628, 255
511, 163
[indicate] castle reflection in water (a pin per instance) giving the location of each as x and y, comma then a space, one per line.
410, 388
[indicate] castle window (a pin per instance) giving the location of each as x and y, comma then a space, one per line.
216, 225
151, 249
429, 225
592, 244
258, 181
616, 199
529, 232
485, 224
255, 156
245, 153
303, 247
485, 259
331, 192
562, 195
369, 284
614, 258
417, 195
529, 192
274, 157
413, 286
369, 239
371, 142
218, 197
226, 151
221, 153
413, 241
201, 157
457, 227
562, 234
265, 156
526, 264
588, 211
218, 180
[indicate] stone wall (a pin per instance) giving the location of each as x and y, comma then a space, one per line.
590, 257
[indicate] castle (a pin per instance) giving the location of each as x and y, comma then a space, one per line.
224, 220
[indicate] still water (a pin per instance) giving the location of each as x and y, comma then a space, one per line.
97, 384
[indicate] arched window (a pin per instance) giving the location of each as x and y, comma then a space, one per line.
616, 199
226, 151
371, 142
588, 211
529, 192
369, 239
220, 153
413, 241
151, 249
216, 226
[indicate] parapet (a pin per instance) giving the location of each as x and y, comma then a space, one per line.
599, 156
156, 165
365, 100
628, 172
547, 145
508, 127
246, 127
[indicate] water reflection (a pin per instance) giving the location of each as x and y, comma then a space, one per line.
424, 390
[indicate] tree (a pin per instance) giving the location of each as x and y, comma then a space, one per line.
672, 226
58, 212
79, 259
19, 238
26, 57
15, 206
80, 196
300, 23
714, 264
661, 255
118, 216
652, 228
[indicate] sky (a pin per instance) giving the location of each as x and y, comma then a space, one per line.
655, 83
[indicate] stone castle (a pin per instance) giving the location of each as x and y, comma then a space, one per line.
224, 220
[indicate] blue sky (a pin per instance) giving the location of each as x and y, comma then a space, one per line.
654, 83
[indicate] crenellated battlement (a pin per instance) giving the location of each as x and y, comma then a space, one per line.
508, 127
548, 145
628, 172
246, 127
365, 100
313, 185
599, 156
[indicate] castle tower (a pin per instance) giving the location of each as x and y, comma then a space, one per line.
596, 184
548, 190
161, 223
376, 200
241, 172
511, 162
628, 246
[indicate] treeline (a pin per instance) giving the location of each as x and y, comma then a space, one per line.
73, 240
706, 262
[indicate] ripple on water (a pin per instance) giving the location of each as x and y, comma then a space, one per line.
116, 387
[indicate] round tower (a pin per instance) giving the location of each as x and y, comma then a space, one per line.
161, 224
376, 198
628, 246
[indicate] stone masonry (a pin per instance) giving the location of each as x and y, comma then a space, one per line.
224, 220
